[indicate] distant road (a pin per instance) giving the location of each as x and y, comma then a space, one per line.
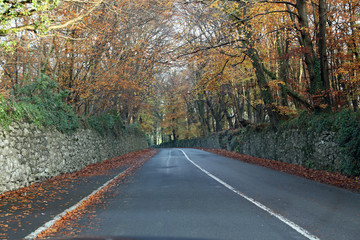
189, 193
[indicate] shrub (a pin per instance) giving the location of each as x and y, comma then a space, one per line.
134, 128
42, 102
106, 123
11, 111
348, 137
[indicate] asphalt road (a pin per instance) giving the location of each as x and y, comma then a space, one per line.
189, 193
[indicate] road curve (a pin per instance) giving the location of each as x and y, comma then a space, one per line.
189, 193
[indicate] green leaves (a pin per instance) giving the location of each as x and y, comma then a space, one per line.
349, 140
346, 125
43, 104
44, 5
106, 123
11, 11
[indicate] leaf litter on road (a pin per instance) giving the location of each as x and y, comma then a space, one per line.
322, 176
68, 225
16, 207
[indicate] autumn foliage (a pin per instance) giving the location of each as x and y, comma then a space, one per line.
255, 62
187, 68
104, 53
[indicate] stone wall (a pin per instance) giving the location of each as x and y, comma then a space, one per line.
315, 150
29, 153
305, 148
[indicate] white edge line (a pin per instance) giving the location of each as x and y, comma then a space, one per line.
291, 224
50, 223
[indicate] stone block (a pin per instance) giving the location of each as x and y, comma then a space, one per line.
29, 153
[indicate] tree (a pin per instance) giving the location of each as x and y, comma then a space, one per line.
106, 61
38, 15
236, 62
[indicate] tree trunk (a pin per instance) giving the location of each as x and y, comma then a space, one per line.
317, 68
312, 63
265, 91
204, 123
229, 119
322, 49
284, 71
248, 105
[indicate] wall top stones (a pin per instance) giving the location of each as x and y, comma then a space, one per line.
301, 147
29, 153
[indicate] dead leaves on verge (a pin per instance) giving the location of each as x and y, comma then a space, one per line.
66, 221
331, 178
29, 201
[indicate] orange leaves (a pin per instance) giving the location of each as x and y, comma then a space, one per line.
107, 58
286, 111
67, 223
115, 61
322, 176
276, 84
36, 201
215, 4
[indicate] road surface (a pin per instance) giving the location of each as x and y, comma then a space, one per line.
189, 193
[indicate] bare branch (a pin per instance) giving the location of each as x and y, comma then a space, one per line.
211, 47
77, 19
33, 27
279, 2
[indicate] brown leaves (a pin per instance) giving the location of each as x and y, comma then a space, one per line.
335, 179
33, 202
68, 223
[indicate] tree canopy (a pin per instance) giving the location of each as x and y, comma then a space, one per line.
184, 69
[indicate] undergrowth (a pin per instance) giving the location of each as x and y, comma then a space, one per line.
43, 103
105, 123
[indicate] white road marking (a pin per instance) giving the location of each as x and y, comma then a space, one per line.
293, 225
168, 159
50, 223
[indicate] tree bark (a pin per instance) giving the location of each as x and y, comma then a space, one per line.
322, 49
265, 90
305, 41
284, 71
